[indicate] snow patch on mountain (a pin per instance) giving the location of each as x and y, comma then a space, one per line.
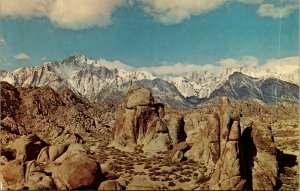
95, 79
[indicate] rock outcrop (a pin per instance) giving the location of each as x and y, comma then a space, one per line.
49, 154
227, 174
60, 166
110, 185
260, 154
236, 160
140, 121
27, 147
54, 140
193, 124
77, 172
9, 99
13, 172
39, 181
206, 148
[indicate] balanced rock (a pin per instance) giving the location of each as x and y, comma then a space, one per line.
140, 121
138, 96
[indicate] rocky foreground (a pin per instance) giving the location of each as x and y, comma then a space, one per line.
54, 140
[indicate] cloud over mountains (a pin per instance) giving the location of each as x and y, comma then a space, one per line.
83, 14
285, 65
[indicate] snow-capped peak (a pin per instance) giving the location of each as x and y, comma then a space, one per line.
90, 77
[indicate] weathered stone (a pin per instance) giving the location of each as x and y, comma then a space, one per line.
44, 155
39, 181
175, 125
178, 156
235, 131
144, 123
228, 115
213, 124
49, 154
10, 99
13, 172
73, 149
206, 149
110, 185
27, 147
138, 96
141, 183
57, 150
30, 167
182, 146
192, 126
227, 172
77, 172
265, 170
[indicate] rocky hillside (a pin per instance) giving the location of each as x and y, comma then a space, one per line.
55, 140
94, 81
271, 90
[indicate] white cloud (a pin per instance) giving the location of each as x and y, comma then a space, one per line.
269, 10
228, 62
21, 56
23, 8
250, 1
246, 61
81, 14
249, 61
44, 59
2, 41
114, 64
178, 68
176, 11
284, 65
69, 14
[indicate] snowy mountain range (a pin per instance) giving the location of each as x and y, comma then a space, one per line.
94, 81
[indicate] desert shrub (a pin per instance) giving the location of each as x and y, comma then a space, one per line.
114, 168
171, 184
147, 166
130, 171
111, 176
195, 175
153, 178
202, 179
129, 168
156, 168
289, 172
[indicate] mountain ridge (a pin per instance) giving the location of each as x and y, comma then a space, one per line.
94, 81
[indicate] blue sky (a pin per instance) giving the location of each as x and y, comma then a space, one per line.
149, 34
